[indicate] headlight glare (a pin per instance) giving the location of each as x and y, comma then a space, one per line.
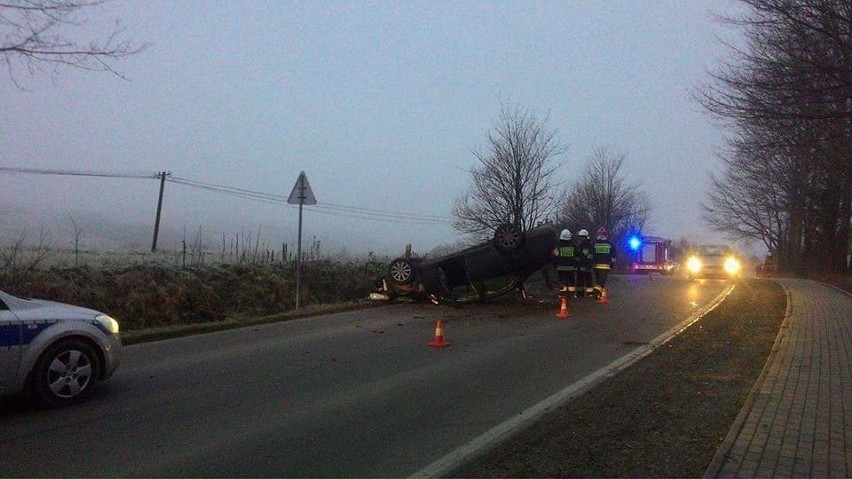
732, 266
106, 323
693, 264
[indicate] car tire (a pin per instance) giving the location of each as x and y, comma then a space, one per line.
65, 373
508, 238
401, 271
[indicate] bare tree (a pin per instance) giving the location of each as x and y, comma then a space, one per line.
41, 36
76, 232
20, 260
788, 98
514, 180
602, 197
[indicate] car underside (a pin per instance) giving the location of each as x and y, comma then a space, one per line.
480, 272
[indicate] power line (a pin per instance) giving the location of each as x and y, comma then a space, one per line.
229, 190
378, 217
99, 174
324, 208
329, 209
364, 213
355, 209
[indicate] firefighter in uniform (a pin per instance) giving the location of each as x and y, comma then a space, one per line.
584, 264
566, 263
603, 260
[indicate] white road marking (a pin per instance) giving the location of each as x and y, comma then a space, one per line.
482, 444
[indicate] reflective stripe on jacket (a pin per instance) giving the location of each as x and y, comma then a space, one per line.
566, 260
604, 255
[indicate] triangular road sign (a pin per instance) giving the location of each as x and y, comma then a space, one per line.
302, 193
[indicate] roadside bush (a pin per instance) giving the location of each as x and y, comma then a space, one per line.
151, 295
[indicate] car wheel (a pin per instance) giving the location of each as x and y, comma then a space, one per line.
508, 238
65, 373
401, 271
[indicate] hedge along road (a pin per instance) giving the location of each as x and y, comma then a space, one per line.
348, 394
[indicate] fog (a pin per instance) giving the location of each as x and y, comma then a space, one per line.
379, 103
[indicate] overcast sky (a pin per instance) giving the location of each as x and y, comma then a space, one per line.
379, 103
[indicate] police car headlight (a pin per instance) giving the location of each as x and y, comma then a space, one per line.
693, 264
106, 324
732, 266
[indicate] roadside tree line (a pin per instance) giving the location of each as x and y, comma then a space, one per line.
786, 180
786, 97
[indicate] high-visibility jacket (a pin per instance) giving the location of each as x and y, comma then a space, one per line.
566, 260
604, 255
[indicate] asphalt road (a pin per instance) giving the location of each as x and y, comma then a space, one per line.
342, 395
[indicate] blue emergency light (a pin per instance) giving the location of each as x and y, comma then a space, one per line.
634, 243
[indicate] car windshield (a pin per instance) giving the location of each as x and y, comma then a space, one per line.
712, 250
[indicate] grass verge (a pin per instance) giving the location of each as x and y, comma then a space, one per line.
663, 417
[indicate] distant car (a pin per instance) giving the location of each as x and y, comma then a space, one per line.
486, 270
713, 261
53, 350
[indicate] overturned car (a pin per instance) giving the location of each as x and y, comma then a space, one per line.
486, 270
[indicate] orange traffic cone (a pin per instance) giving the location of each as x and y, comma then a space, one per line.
563, 308
439, 342
604, 297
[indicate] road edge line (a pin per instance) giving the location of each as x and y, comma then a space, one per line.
496, 435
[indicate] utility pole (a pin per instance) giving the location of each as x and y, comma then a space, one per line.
162, 176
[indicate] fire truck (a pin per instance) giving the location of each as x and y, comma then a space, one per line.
651, 254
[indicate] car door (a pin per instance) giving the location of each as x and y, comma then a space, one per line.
10, 346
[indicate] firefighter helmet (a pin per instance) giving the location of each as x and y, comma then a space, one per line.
565, 235
583, 234
602, 234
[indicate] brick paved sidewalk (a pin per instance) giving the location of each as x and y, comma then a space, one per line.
797, 421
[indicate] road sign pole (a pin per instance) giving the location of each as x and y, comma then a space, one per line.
299, 258
301, 195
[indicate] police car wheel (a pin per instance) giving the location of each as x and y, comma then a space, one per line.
65, 373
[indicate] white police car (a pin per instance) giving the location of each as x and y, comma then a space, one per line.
54, 350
